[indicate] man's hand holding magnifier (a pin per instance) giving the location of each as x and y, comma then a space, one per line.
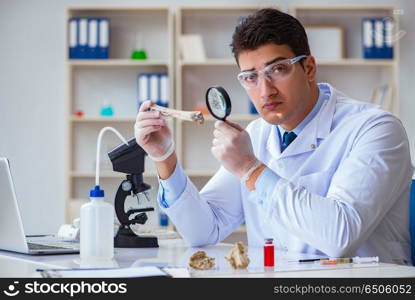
231, 143
233, 148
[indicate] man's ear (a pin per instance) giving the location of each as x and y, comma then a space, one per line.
310, 68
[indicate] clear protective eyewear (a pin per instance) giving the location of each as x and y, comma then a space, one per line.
275, 72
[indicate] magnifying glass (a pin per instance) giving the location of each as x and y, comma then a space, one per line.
218, 102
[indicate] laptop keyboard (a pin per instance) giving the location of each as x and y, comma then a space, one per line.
57, 245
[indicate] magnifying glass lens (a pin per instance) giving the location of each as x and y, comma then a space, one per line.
218, 102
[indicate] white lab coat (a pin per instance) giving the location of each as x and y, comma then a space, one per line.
344, 188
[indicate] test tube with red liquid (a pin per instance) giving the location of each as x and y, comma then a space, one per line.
269, 252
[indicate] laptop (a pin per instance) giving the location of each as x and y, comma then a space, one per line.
12, 236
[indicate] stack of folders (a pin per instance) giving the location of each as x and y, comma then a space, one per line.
89, 38
377, 37
154, 87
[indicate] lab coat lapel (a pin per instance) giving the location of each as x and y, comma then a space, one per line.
317, 128
305, 141
273, 144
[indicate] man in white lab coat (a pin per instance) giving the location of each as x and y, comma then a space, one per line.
318, 172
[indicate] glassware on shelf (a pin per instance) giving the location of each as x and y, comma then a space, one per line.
139, 51
106, 110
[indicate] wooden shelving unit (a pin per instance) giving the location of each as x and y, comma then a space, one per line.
91, 81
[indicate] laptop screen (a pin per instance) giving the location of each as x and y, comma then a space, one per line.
12, 235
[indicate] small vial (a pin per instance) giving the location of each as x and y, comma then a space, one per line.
269, 252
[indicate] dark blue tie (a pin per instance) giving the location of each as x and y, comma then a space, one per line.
287, 139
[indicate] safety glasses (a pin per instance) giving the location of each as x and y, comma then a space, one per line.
274, 73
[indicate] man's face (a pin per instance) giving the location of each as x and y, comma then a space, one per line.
286, 102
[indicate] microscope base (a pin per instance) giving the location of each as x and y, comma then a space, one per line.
126, 238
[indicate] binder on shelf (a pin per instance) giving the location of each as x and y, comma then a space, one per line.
377, 38
83, 37
143, 90
73, 38
367, 32
88, 38
164, 90
92, 38
388, 25
154, 87
103, 38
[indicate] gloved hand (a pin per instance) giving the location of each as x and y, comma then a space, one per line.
233, 148
152, 134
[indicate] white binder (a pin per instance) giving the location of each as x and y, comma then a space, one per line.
164, 89
103, 38
154, 88
73, 38
83, 37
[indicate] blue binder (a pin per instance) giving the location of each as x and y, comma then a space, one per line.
82, 38
368, 38
143, 88
154, 87
388, 26
377, 38
92, 48
73, 38
88, 38
103, 38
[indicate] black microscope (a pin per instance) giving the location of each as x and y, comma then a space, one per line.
130, 160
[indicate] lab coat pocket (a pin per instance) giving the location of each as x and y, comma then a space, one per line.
318, 182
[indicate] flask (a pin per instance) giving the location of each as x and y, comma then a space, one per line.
97, 228
269, 252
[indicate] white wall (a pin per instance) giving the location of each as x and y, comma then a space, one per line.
32, 119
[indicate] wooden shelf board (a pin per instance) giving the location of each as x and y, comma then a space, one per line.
118, 8
101, 119
344, 8
356, 62
115, 62
209, 62
105, 174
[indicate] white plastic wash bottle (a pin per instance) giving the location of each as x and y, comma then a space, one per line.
97, 228
97, 217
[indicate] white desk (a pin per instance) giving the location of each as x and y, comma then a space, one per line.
176, 254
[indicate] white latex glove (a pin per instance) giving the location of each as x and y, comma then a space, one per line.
152, 133
233, 148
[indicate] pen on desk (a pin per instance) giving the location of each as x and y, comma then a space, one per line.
348, 260
38, 235
311, 259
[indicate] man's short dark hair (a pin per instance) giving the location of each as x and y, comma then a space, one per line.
266, 26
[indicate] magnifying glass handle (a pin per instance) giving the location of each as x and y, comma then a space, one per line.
234, 125
194, 116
